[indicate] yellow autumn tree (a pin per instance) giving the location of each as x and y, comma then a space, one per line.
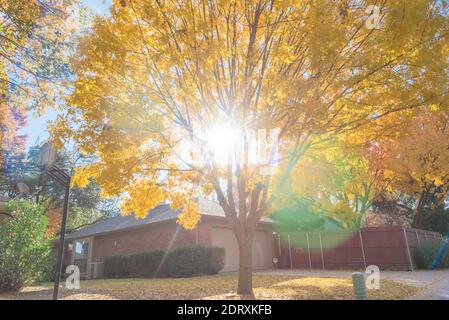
160, 81
32, 39
36, 38
339, 181
417, 162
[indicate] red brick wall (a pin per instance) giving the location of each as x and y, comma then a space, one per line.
155, 236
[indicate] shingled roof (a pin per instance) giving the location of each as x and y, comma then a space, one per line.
161, 213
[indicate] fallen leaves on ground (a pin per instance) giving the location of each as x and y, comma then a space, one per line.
217, 287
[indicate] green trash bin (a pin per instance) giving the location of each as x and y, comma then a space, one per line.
358, 281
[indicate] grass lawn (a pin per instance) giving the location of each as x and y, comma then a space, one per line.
217, 287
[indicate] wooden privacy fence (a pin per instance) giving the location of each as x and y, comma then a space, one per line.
391, 248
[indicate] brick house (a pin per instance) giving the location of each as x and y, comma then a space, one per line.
389, 247
88, 247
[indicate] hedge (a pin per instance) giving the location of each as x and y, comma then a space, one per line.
426, 254
178, 262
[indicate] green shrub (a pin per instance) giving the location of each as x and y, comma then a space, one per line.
142, 265
436, 219
24, 250
186, 261
117, 266
111, 266
49, 273
426, 254
148, 263
178, 262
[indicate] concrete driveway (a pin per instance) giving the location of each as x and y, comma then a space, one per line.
434, 284
438, 291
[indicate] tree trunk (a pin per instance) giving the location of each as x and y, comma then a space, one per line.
419, 215
245, 284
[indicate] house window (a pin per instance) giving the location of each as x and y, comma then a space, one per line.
81, 255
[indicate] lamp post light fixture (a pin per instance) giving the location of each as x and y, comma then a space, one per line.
46, 160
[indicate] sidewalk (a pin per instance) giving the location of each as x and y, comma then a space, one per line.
438, 291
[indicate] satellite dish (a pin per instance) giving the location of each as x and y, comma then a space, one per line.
24, 190
47, 155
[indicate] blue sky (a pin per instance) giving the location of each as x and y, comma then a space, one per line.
36, 128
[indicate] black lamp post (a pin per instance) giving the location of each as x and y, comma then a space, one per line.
47, 159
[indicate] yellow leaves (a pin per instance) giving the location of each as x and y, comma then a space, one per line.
190, 215
343, 213
189, 211
223, 286
208, 188
177, 200
82, 175
285, 53
142, 197
36, 34
434, 107
417, 158
438, 181
80, 179
285, 4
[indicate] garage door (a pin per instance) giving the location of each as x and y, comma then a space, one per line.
262, 250
224, 238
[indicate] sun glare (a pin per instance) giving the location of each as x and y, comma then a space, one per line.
222, 142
